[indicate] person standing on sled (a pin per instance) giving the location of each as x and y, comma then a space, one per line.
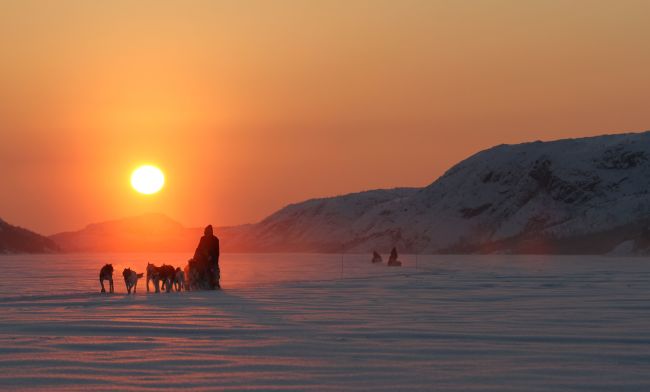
207, 256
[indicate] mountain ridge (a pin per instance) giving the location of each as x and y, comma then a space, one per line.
535, 197
581, 195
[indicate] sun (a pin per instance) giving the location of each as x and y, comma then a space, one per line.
147, 179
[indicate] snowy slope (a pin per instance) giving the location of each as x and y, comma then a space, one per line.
325, 224
585, 195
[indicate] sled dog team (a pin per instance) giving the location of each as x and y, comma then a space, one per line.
201, 272
164, 277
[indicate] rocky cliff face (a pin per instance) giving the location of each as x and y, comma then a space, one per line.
14, 239
587, 195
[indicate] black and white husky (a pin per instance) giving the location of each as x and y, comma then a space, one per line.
106, 273
131, 279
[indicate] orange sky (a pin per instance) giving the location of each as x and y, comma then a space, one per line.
248, 106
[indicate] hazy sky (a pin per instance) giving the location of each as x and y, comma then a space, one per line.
248, 106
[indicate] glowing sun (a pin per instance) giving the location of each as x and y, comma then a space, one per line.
147, 179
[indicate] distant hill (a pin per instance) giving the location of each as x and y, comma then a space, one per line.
144, 233
587, 195
14, 239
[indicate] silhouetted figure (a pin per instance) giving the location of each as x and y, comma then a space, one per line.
376, 257
392, 260
206, 262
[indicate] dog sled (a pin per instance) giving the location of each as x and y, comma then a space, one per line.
201, 275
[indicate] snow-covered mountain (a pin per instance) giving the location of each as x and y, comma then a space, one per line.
323, 225
14, 239
587, 195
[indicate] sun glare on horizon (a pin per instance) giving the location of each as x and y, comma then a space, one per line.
147, 179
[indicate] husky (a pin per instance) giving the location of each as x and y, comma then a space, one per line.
131, 279
153, 275
179, 279
164, 274
106, 273
167, 273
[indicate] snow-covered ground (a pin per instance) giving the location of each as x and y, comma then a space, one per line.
326, 322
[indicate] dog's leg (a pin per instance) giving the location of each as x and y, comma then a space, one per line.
148, 277
156, 284
111, 285
101, 281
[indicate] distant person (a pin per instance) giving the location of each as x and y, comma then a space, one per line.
376, 257
207, 258
392, 260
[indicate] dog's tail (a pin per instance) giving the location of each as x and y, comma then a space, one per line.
140, 275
